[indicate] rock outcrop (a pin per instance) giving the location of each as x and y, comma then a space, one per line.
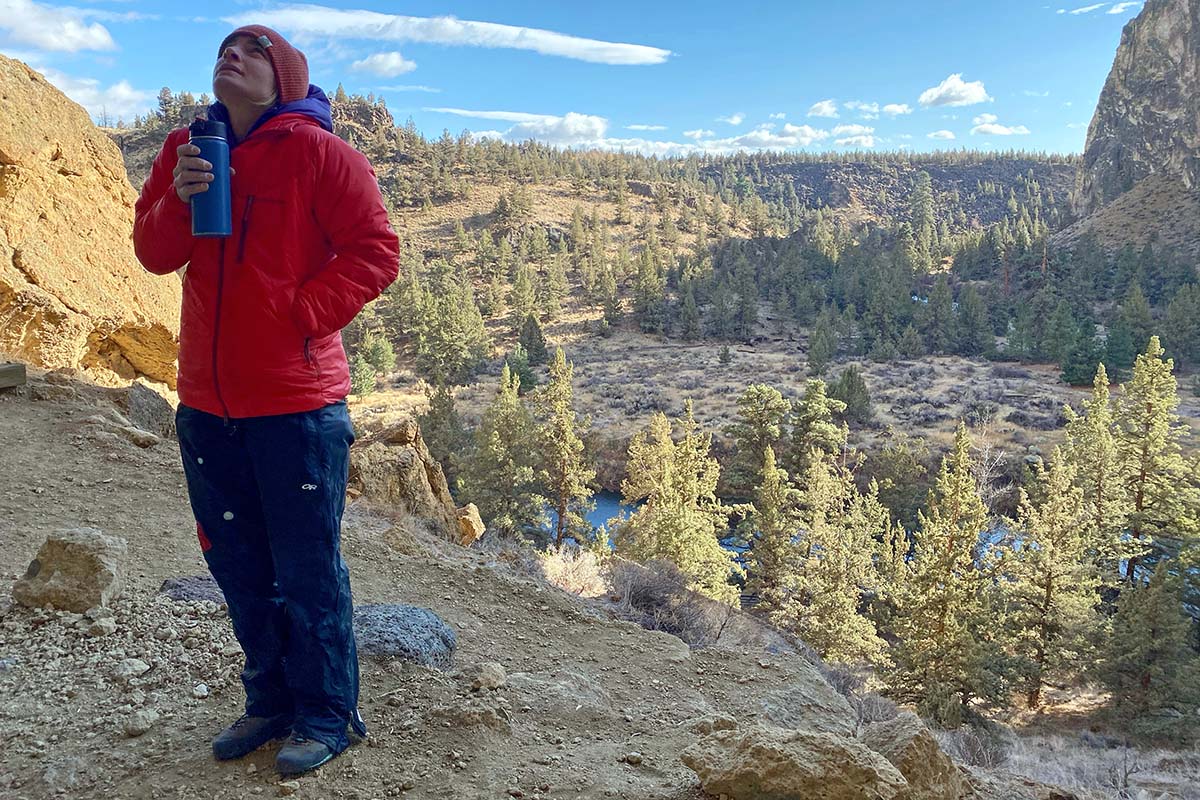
912, 749
1147, 121
393, 468
72, 294
74, 570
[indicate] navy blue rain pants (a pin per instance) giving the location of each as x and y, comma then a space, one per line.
268, 494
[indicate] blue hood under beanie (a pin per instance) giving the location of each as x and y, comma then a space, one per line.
315, 106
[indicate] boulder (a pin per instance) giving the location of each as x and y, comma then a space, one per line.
470, 525
149, 410
393, 468
74, 570
761, 763
912, 749
401, 631
72, 293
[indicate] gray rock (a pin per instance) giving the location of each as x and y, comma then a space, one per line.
74, 570
102, 627
402, 631
140, 722
193, 588
130, 668
149, 410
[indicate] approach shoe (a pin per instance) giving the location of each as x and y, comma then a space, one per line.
300, 754
248, 734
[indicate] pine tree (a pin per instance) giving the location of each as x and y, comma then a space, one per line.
1149, 664
379, 354
922, 219
910, 344
689, 315
947, 654
681, 519
523, 297
1181, 326
499, 475
814, 428
774, 560
851, 389
1119, 349
937, 323
533, 340
974, 330
1161, 494
362, 376
1136, 312
1082, 357
822, 346
518, 364
554, 289
568, 477
760, 414
1052, 580
1091, 450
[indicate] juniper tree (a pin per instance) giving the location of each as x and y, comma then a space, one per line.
568, 477
814, 427
533, 340
1136, 312
443, 430
1052, 580
937, 318
822, 345
947, 653
760, 415
1160, 492
523, 297
851, 390
518, 364
554, 290
973, 330
689, 315
362, 375
680, 518
1149, 664
771, 528
499, 475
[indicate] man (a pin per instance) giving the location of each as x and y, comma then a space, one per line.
263, 429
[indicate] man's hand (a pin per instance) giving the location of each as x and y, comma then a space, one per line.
192, 174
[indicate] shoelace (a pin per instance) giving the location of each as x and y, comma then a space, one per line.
242, 720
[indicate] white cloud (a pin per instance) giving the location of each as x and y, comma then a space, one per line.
699, 133
326, 23
737, 118
941, 135
777, 115
856, 141
57, 29
955, 92
897, 109
386, 65
1030, 93
866, 110
639, 127
852, 130
410, 88
1121, 8
989, 125
1084, 9
825, 108
120, 100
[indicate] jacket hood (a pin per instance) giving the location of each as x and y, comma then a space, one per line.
315, 106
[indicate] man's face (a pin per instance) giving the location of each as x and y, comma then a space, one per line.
243, 72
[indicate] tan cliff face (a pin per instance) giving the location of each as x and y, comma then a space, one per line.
1147, 121
72, 294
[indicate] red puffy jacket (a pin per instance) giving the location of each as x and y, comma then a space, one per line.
263, 309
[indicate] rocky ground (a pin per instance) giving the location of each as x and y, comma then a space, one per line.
547, 696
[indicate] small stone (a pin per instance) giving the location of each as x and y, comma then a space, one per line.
140, 721
102, 627
633, 757
488, 675
131, 668
200, 691
251, 769
409, 783
288, 788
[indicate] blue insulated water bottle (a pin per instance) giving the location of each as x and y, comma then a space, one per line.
211, 212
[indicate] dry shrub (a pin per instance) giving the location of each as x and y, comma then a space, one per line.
976, 746
573, 570
656, 597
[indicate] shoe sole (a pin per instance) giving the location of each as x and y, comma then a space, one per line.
294, 772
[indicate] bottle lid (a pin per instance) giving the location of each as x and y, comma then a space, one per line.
207, 127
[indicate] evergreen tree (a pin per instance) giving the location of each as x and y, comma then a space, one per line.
533, 340
851, 389
443, 430
1120, 351
937, 322
500, 475
1161, 495
554, 289
725, 355
362, 376
680, 518
1181, 326
523, 297
822, 346
922, 219
1060, 334
451, 341
689, 315
814, 428
760, 415
774, 560
910, 344
379, 353
1149, 664
1052, 580
974, 331
1083, 356
1136, 312
518, 364
568, 477
947, 653
649, 302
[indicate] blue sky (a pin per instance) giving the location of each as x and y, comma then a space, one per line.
653, 76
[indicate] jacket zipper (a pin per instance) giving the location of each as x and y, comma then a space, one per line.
217, 332
241, 249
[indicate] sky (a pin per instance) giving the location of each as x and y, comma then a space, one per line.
653, 76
